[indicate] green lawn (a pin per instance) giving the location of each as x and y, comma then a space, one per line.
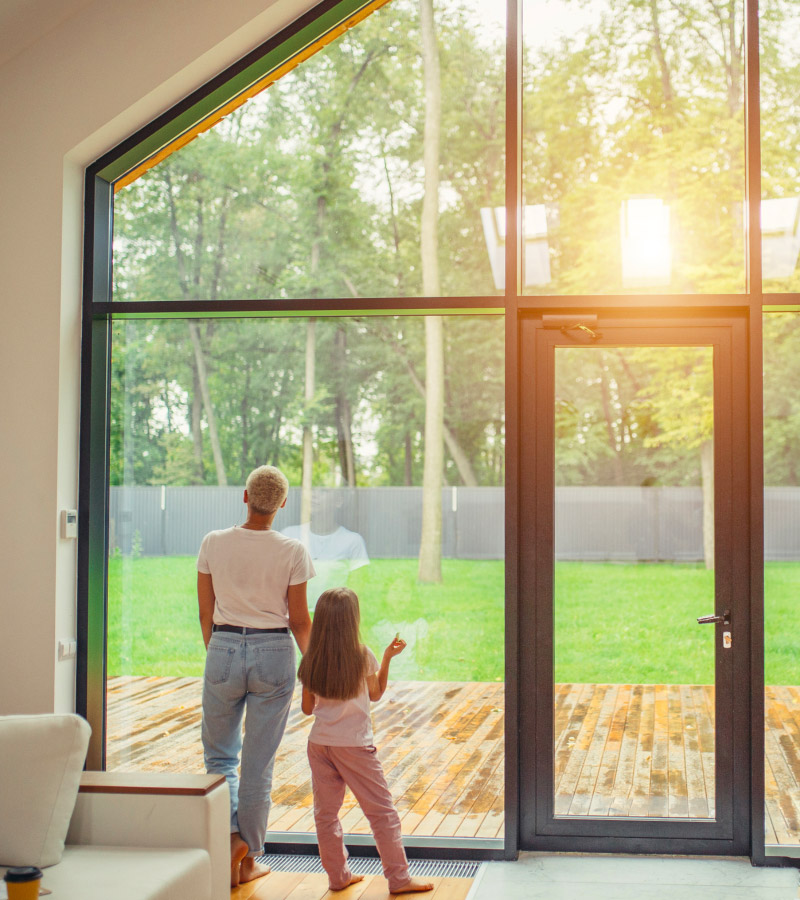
614, 622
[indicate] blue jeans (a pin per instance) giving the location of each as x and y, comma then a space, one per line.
250, 676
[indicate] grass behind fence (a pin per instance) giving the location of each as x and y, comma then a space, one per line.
618, 623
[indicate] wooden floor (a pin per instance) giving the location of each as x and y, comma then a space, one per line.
297, 886
621, 750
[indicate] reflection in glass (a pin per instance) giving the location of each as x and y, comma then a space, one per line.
634, 692
335, 549
314, 187
536, 250
635, 103
195, 405
780, 237
781, 576
646, 247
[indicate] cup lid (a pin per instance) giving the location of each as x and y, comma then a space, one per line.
23, 873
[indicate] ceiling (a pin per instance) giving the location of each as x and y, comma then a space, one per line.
23, 22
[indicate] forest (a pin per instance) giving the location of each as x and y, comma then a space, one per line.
363, 173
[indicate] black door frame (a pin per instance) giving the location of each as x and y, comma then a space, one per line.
729, 834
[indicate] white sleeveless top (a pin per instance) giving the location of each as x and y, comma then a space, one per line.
345, 723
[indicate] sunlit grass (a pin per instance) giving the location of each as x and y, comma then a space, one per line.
616, 623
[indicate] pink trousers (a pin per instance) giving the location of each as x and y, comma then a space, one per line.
333, 769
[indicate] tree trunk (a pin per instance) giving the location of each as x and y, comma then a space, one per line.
661, 59
457, 452
707, 473
197, 426
202, 377
200, 371
244, 408
344, 437
619, 475
308, 440
430, 550
344, 418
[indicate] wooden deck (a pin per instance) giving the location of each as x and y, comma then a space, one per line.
441, 745
621, 750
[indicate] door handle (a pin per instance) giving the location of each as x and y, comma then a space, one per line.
724, 619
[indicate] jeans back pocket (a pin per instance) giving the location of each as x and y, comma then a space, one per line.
275, 665
218, 663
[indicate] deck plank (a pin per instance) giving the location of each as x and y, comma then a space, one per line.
619, 750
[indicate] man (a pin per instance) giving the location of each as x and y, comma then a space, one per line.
251, 591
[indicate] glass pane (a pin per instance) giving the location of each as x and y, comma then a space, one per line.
779, 33
317, 187
782, 576
195, 406
634, 673
633, 153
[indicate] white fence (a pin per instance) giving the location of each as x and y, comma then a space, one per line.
592, 523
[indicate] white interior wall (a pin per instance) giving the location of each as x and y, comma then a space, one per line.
70, 96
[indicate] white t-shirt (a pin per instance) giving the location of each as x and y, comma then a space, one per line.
251, 572
345, 723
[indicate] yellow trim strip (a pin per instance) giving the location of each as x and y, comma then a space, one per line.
256, 88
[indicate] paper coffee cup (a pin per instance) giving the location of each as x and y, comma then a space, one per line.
22, 882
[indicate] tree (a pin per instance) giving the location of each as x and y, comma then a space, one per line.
430, 550
679, 394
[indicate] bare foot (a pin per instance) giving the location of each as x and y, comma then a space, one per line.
250, 869
413, 886
354, 879
238, 852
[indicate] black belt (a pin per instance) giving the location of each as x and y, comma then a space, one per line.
239, 629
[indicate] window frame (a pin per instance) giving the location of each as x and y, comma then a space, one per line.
98, 310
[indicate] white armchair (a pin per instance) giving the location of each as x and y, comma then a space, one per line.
142, 836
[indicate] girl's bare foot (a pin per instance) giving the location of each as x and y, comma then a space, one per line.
354, 879
250, 870
238, 852
413, 886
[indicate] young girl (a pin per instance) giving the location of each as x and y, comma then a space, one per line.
340, 676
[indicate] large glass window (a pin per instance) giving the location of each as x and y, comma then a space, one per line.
197, 404
633, 147
782, 577
293, 229
322, 185
779, 22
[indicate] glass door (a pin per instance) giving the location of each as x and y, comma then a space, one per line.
634, 586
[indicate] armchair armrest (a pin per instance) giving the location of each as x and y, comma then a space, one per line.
149, 809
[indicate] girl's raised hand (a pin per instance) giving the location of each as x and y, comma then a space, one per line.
396, 647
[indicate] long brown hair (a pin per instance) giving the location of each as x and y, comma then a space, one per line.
335, 665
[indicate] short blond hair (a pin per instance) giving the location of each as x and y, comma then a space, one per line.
267, 488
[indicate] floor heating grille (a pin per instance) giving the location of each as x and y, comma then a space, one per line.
371, 865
